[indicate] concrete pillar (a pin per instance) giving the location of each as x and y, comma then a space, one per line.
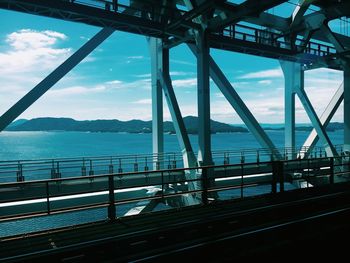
155, 45
203, 87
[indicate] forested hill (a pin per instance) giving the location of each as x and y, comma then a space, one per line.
133, 126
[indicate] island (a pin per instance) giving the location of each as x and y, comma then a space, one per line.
132, 126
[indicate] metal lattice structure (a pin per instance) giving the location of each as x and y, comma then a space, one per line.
302, 41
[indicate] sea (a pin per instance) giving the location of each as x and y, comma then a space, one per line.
37, 145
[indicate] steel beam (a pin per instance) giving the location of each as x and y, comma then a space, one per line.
332, 38
161, 80
293, 79
329, 148
237, 103
40, 89
299, 11
325, 118
156, 49
203, 90
188, 156
237, 13
347, 108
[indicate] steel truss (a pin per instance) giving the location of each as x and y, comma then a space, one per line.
300, 42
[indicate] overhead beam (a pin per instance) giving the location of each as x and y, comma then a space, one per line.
325, 118
283, 24
192, 14
83, 13
332, 38
40, 89
234, 14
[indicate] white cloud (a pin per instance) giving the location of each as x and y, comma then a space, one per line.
265, 82
270, 73
26, 39
184, 83
131, 59
172, 73
181, 73
147, 75
135, 57
219, 95
139, 83
32, 51
182, 62
143, 101
75, 90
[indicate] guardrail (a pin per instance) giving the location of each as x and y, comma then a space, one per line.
148, 7
265, 37
47, 197
41, 169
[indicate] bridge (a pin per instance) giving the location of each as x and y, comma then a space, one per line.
160, 181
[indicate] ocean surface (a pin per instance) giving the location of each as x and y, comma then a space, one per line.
34, 145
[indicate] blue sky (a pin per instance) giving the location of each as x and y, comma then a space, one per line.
114, 81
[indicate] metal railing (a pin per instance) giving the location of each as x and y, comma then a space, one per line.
148, 10
259, 36
46, 197
41, 169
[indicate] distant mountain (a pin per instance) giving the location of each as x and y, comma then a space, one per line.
133, 126
333, 126
17, 122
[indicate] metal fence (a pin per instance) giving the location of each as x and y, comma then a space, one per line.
41, 169
47, 197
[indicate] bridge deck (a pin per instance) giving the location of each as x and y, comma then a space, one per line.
156, 235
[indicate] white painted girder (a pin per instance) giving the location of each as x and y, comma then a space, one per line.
325, 118
329, 148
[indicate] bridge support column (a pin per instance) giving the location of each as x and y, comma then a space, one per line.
189, 158
161, 80
294, 76
293, 79
56, 75
347, 108
237, 103
155, 45
203, 90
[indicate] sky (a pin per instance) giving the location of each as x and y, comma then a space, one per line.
114, 81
